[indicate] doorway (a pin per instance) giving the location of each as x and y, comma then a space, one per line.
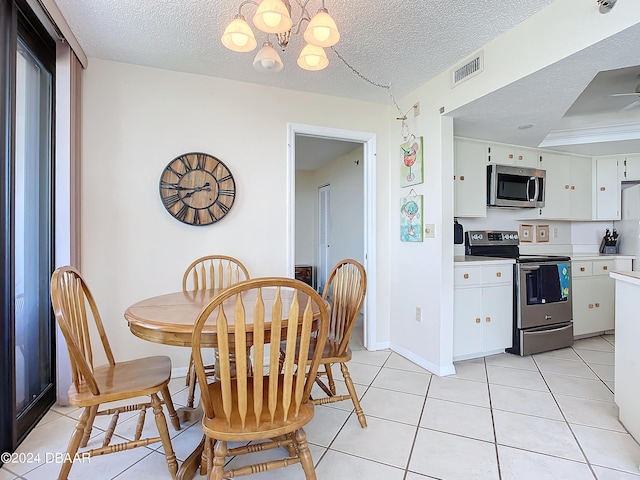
363, 235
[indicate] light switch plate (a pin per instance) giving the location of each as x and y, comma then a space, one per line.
430, 230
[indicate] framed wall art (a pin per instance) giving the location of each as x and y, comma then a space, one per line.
411, 219
411, 171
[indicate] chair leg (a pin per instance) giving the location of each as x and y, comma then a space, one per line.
187, 380
305, 455
353, 394
163, 430
168, 401
332, 384
89, 427
74, 443
192, 385
219, 457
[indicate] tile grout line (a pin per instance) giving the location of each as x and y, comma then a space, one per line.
493, 424
567, 421
415, 436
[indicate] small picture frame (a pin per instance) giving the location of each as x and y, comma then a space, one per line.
542, 233
526, 233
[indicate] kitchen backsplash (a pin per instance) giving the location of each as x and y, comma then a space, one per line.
564, 238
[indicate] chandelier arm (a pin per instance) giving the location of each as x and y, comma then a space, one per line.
303, 6
245, 3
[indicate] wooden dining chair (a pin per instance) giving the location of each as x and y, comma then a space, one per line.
344, 290
77, 315
211, 271
271, 405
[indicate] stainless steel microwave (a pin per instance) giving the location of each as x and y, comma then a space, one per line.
509, 186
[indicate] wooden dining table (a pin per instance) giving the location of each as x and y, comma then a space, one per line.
169, 319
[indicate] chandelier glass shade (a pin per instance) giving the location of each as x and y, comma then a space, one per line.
274, 17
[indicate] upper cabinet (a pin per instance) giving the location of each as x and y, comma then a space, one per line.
629, 168
607, 189
512, 155
470, 173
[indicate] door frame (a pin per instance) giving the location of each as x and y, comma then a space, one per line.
368, 141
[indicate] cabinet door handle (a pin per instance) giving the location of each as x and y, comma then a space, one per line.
477, 320
602, 189
566, 187
519, 157
488, 319
511, 155
498, 274
597, 305
605, 267
573, 187
582, 269
591, 305
462, 178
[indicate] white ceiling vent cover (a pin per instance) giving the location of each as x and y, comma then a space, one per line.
467, 69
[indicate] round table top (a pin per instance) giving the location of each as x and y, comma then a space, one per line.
169, 318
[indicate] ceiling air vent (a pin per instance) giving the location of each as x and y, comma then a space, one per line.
469, 68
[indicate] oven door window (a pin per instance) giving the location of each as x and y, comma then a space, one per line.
545, 285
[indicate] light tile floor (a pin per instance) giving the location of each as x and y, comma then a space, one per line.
548, 416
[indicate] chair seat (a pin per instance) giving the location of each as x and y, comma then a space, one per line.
134, 378
219, 429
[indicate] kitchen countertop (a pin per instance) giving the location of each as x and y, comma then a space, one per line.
601, 256
482, 260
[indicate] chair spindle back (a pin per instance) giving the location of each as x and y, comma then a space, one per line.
74, 306
345, 290
214, 271
293, 311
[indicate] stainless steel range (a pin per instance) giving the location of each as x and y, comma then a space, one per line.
542, 318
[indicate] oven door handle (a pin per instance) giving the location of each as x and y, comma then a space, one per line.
529, 268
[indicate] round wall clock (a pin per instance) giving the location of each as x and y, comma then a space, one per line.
197, 189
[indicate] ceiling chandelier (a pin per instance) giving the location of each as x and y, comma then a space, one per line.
274, 16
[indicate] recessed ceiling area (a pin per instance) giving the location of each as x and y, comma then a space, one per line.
567, 97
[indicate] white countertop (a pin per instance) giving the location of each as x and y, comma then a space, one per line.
600, 256
483, 260
629, 277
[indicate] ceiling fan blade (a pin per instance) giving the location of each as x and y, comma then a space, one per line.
624, 94
630, 106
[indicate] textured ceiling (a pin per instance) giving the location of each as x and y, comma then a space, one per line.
399, 42
402, 43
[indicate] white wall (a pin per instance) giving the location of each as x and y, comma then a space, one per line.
135, 121
306, 218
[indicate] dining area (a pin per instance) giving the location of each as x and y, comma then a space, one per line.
261, 356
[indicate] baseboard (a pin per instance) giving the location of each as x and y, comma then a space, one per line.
440, 370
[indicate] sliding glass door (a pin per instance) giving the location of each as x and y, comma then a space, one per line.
27, 220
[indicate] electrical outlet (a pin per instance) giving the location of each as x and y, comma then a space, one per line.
418, 314
555, 232
416, 109
430, 230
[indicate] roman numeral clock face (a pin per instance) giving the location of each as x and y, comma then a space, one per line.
197, 189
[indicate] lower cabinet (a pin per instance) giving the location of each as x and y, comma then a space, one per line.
593, 294
483, 310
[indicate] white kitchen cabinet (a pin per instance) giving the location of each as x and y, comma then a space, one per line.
630, 168
483, 309
503, 154
607, 192
593, 294
470, 178
569, 187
